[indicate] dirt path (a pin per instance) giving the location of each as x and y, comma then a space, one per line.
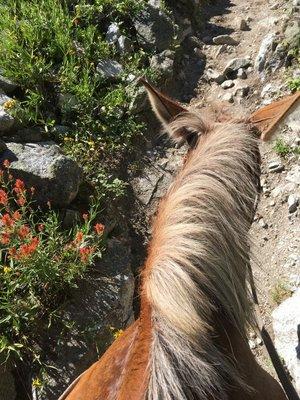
275, 232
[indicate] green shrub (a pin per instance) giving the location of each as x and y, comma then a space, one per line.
51, 48
39, 264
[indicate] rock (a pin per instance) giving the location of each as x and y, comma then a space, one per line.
296, 3
275, 166
109, 69
71, 218
227, 84
225, 39
243, 26
234, 65
292, 34
155, 30
3, 147
113, 33
7, 85
4, 99
294, 175
8, 387
215, 76
293, 202
242, 91
162, 64
139, 101
263, 224
29, 135
100, 305
124, 45
56, 178
269, 91
264, 52
241, 74
145, 186
6, 121
286, 320
228, 97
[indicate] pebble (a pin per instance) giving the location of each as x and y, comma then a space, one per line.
243, 25
242, 91
225, 39
262, 223
242, 74
228, 97
293, 202
227, 84
275, 166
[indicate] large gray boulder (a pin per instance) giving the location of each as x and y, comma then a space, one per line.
155, 30
101, 302
7, 85
56, 178
6, 121
286, 324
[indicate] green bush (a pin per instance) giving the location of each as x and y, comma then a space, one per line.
39, 264
51, 48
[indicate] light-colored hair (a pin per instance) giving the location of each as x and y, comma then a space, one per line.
197, 264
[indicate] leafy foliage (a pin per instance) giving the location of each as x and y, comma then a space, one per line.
51, 48
39, 264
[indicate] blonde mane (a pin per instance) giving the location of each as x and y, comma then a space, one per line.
197, 264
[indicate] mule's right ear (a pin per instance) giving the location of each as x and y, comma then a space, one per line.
166, 110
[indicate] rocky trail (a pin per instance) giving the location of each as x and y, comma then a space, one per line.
245, 67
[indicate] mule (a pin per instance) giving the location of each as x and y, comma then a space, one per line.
190, 340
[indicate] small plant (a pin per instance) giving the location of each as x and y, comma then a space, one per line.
283, 149
280, 292
39, 264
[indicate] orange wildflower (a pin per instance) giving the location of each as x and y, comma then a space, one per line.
3, 197
16, 216
19, 186
21, 201
23, 231
6, 164
5, 238
7, 220
27, 249
99, 228
12, 252
85, 252
79, 237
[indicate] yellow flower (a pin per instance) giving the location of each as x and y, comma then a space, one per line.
36, 382
9, 104
6, 269
118, 333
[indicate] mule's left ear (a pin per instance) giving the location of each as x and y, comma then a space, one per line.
165, 109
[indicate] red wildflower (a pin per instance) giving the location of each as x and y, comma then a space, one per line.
26, 250
7, 220
79, 237
16, 216
3, 197
5, 238
23, 231
85, 216
19, 186
99, 228
85, 252
6, 164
